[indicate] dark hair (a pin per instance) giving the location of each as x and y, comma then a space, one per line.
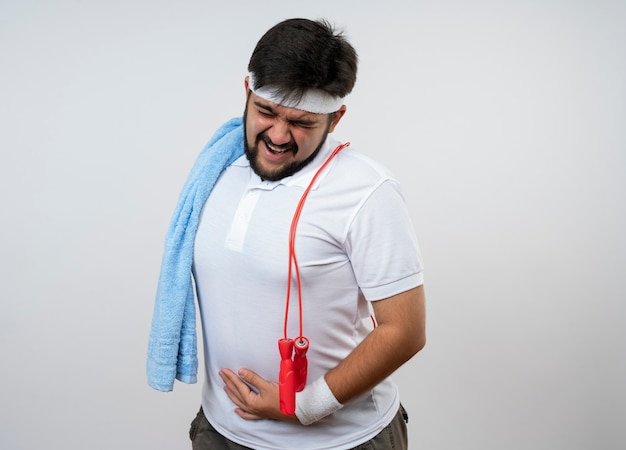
300, 54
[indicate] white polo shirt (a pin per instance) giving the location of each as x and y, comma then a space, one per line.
355, 243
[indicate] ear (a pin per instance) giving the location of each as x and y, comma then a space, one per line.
246, 83
337, 115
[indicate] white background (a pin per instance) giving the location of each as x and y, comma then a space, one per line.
504, 120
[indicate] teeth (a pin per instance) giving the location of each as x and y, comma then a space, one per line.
276, 150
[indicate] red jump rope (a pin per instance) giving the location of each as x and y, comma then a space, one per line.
293, 361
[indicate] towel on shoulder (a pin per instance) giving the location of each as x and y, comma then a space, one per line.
172, 347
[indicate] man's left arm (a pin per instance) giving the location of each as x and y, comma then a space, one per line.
399, 335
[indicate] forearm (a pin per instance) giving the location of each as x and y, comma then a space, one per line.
399, 335
377, 357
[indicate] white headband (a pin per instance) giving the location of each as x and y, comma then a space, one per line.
313, 101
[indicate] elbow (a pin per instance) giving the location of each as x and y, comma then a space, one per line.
421, 343
416, 338
418, 343
413, 343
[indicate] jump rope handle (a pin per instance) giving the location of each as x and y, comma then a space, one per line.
286, 378
300, 363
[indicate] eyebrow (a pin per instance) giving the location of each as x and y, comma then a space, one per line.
268, 108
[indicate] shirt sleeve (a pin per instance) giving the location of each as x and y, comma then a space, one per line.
382, 245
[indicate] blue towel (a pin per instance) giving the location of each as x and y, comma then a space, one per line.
172, 349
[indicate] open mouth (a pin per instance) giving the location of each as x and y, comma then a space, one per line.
278, 149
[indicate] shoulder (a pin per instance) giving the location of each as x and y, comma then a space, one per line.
357, 168
363, 162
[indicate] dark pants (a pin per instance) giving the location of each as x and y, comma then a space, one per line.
393, 437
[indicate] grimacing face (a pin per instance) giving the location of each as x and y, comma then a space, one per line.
279, 141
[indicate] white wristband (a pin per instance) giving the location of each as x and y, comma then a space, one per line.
315, 401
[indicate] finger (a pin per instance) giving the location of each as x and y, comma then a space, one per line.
234, 396
241, 393
228, 375
252, 379
232, 380
231, 377
236, 389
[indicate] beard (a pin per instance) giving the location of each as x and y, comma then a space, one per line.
252, 153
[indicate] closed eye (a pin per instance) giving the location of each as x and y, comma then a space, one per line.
304, 124
265, 113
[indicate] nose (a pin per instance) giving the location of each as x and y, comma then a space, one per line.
279, 133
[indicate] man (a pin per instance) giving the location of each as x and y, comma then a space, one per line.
295, 206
